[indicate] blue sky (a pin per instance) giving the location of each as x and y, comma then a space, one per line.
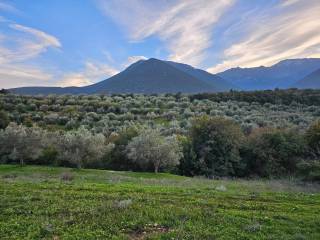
79, 42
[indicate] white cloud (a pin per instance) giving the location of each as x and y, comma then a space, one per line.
292, 33
92, 73
17, 48
29, 45
95, 71
18, 75
7, 7
184, 26
133, 59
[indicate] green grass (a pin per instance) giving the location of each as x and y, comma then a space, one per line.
35, 203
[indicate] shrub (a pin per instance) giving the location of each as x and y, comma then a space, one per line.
309, 170
4, 120
313, 138
273, 152
216, 142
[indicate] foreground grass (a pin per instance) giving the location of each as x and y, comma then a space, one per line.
36, 203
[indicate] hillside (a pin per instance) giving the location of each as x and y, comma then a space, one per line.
62, 203
281, 75
310, 81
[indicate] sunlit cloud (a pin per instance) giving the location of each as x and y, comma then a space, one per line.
18, 47
15, 69
184, 26
31, 44
133, 59
96, 71
93, 72
17, 75
292, 33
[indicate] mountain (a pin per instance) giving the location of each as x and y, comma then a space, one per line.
145, 76
219, 83
281, 75
310, 81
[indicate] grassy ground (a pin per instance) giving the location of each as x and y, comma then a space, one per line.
61, 203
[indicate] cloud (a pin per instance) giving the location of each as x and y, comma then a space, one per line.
30, 44
95, 71
7, 7
133, 59
288, 30
17, 48
92, 73
22, 75
184, 26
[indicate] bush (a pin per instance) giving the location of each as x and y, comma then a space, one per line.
309, 170
273, 152
4, 120
313, 138
216, 142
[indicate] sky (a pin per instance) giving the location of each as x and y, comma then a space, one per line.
80, 42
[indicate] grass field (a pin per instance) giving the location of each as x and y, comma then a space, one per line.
61, 203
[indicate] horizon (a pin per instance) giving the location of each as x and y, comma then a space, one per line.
62, 44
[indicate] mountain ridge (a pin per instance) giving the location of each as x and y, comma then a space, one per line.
159, 76
283, 74
144, 76
310, 81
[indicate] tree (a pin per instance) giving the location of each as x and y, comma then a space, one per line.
151, 148
118, 159
273, 152
188, 163
4, 120
313, 138
216, 142
21, 143
81, 147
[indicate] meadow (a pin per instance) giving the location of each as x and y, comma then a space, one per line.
38, 202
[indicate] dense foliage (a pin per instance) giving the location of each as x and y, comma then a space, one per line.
236, 134
286, 97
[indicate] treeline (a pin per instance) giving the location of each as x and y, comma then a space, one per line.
287, 97
213, 147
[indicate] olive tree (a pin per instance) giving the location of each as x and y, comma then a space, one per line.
20, 143
81, 147
151, 148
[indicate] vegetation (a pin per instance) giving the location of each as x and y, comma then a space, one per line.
150, 148
62, 203
193, 135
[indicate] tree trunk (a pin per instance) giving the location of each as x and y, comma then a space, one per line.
21, 162
156, 169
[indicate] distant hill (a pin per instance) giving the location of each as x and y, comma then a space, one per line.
281, 75
146, 76
45, 90
310, 81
